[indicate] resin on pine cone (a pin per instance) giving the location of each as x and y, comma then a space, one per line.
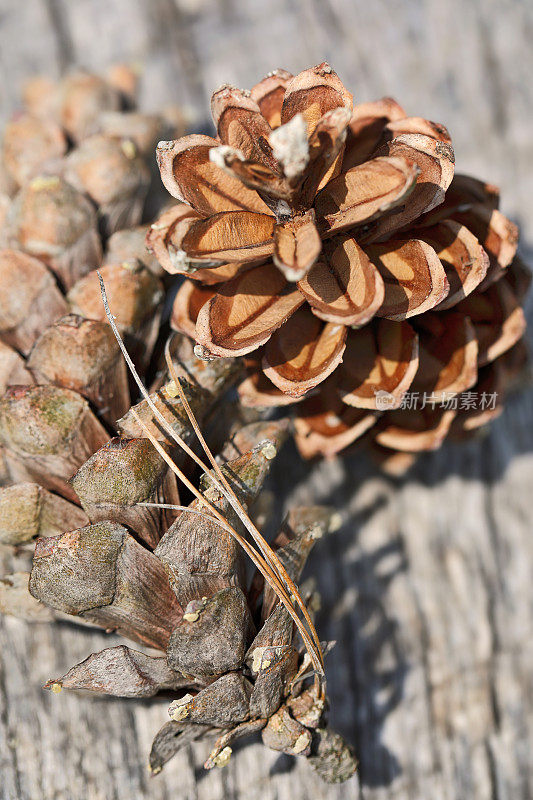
331, 244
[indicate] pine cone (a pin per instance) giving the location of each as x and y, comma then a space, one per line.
228, 651
60, 203
63, 383
334, 247
132, 558
86, 131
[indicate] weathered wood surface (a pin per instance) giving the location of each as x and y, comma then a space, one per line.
428, 587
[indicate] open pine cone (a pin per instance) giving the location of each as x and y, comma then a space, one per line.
333, 246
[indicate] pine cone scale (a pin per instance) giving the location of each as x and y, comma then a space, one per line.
345, 287
243, 314
414, 277
303, 352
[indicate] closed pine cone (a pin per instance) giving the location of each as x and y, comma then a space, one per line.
63, 382
227, 647
117, 551
333, 246
74, 175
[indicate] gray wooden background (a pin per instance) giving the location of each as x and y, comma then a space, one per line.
428, 588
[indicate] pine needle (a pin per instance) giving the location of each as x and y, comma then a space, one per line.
264, 547
266, 560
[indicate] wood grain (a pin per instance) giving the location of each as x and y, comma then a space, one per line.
427, 588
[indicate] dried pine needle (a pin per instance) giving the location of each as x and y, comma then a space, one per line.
266, 561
